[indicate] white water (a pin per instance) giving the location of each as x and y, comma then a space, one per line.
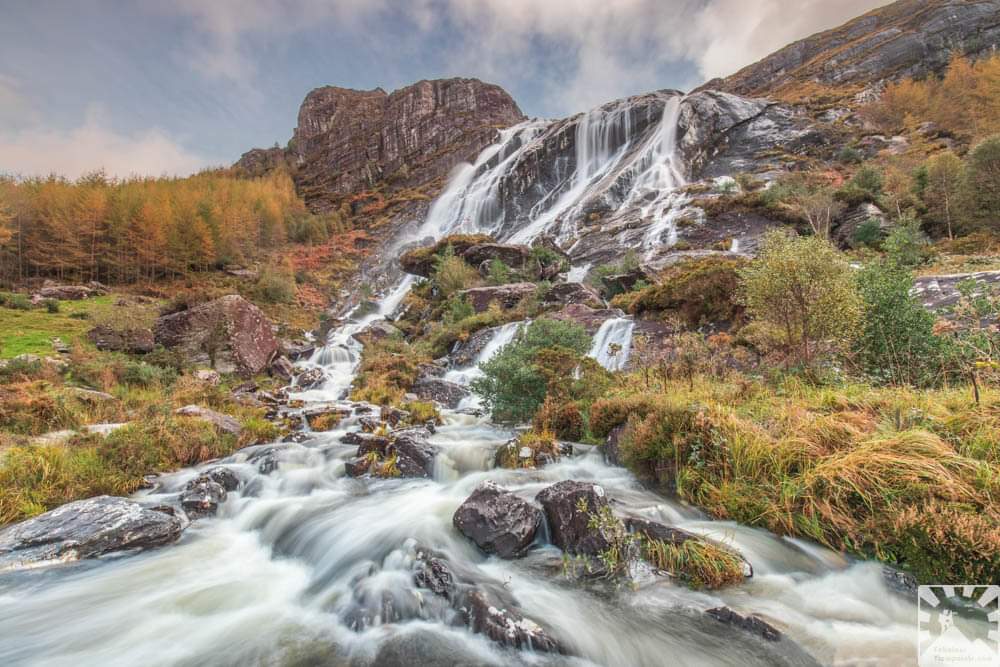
307, 566
613, 343
502, 337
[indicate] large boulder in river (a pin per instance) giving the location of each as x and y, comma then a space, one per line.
238, 333
404, 453
506, 296
86, 529
569, 506
448, 394
498, 521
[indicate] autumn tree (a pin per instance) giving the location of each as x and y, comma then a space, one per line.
804, 288
820, 208
944, 175
981, 187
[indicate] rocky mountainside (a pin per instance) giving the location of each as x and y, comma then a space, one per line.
905, 38
349, 141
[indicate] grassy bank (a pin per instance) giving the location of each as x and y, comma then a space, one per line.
908, 477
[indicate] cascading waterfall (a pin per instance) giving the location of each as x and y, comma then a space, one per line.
612, 343
305, 565
502, 337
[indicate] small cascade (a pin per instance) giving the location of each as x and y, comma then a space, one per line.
578, 274
501, 338
612, 343
734, 245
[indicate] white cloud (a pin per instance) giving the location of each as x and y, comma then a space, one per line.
611, 47
36, 151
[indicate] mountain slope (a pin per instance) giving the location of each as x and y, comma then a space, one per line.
905, 38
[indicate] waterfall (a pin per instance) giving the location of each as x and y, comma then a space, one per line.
502, 336
614, 332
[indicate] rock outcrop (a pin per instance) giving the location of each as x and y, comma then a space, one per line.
347, 141
498, 521
132, 341
86, 529
905, 38
505, 296
233, 330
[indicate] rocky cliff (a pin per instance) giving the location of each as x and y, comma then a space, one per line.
350, 141
905, 38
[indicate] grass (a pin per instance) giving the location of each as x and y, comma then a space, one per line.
31, 331
851, 466
697, 563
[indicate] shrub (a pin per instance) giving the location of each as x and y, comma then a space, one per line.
499, 273
15, 301
276, 286
563, 419
452, 274
981, 191
849, 155
699, 290
869, 234
52, 306
948, 543
906, 245
897, 342
608, 413
517, 379
805, 288
388, 369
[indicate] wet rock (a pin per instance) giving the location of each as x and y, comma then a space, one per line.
506, 296
627, 280
86, 529
514, 256
408, 451
282, 368
435, 575
224, 423
569, 524
376, 332
465, 354
222, 476
236, 332
506, 625
130, 341
394, 416
416, 455
498, 521
448, 394
570, 293
266, 459
298, 351
752, 624
589, 318
612, 446
324, 418
310, 379
202, 497
901, 583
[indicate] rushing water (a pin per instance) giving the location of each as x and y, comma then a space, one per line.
307, 566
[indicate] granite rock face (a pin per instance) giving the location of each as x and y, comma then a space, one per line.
905, 38
348, 140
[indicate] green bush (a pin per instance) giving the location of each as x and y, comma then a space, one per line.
897, 344
499, 273
869, 234
518, 378
15, 301
906, 245
52, 306
453, 274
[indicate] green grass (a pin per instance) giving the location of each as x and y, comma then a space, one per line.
32, 331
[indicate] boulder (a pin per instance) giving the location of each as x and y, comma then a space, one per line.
506, 296
514, 256
68, 292
506, 625
310, 379
208, 376
441, 391
589, 318
570, 293
569, 525
498, 521
221, 475
236, 332
202, 497
90, 395
224, 423
612, 451
298, 351
626, 280
466, 353
752, 624
282, 368
85, 529
131, 341
377, 331
409, 450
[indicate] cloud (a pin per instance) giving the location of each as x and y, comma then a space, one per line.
37, 151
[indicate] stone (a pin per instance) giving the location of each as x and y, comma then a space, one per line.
506, 296
624, 282
377, 331
240, 334
753, 624
222, 422
221, 475
85, 529
202, 497
347, 140
569, 526
208, 376
589, 318
68, 292
514, 256
310, 379
448, 394
498, 521
611, 449
282, 368
131, 341
91, 395
506, 625
573, 293
413, 455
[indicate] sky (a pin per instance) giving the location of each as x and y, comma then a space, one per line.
167, 87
